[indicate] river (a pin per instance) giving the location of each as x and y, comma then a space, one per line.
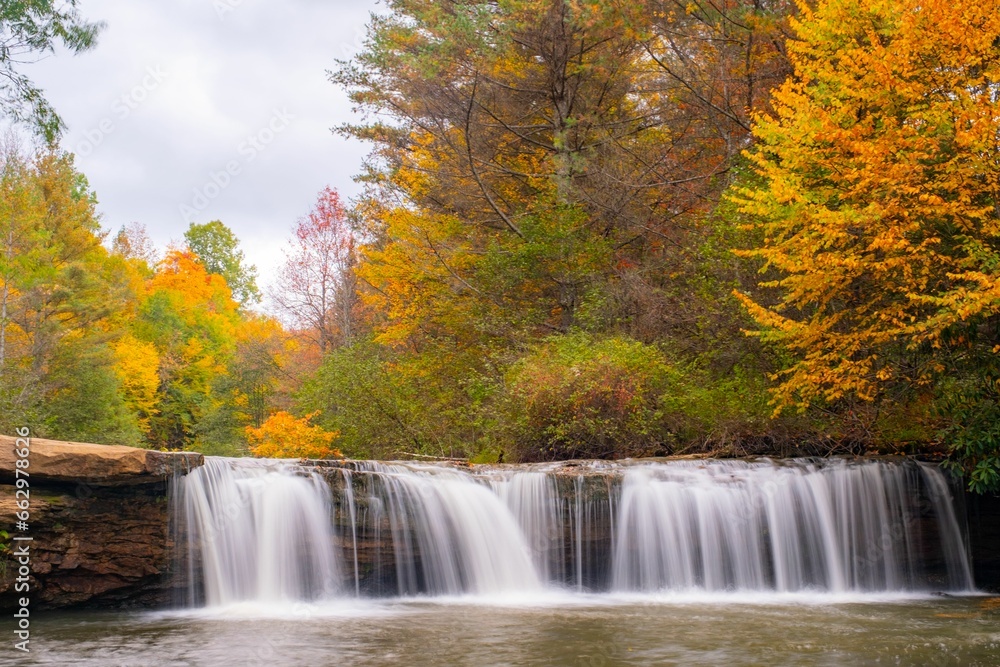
566, 629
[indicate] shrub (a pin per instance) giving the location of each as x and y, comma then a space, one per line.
387, 403
578, 397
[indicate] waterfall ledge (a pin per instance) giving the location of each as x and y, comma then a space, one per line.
101, 525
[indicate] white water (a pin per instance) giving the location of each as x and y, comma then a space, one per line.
466, 538
757, 526
264, 532
259, 532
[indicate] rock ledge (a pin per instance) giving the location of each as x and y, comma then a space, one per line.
55, 461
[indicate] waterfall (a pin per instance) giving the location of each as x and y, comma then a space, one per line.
534, 501
273, 531
259, 532
450, 533
799, 525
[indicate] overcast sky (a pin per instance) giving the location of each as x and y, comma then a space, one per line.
210, 109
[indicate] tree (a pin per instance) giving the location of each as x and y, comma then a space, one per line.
217, 248
20, 220
63, 298
133, 242
283, 436
504, 120
880, 203
539, 167
247, 391
190, 318
316, 287
530, 156
30, 29
137, 365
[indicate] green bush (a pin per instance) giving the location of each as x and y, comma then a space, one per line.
576, 396
579, 396
391, 404
972, 432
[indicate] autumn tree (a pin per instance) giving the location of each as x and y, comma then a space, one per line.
196, 368
137, 365
191, 319
63, 299
317, 288
285, 436
218, 250
879, 206
538, 167
249, 389
132, 241
720, 58
531, 156
482, 212
98, 345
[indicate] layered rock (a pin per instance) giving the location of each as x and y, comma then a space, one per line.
99, 523
77, 463
984, 540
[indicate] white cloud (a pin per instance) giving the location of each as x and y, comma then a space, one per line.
223, 80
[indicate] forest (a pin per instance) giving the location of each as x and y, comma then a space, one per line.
587, 229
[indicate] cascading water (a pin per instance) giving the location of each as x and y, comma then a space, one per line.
568, 521
273, 531
534, 501
259, 532
735, 525
450, 534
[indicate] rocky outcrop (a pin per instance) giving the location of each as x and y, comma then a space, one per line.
55, 461
98, 523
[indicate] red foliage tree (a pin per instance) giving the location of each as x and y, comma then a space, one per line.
316, 286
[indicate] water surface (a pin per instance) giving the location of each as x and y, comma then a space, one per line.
580, 630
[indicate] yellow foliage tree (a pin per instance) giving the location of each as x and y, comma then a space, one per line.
137, 365
283, 436
879, 203
190, 317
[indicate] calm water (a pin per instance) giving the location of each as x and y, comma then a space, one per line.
569, 630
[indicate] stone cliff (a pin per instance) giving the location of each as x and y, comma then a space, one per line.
98, 523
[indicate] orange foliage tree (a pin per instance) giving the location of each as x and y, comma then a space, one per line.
283, 436
878, 209
191, 319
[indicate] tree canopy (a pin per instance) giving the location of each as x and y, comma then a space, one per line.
879, 201
572, 215
218, 250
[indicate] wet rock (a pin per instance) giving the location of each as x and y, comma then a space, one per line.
984, 540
